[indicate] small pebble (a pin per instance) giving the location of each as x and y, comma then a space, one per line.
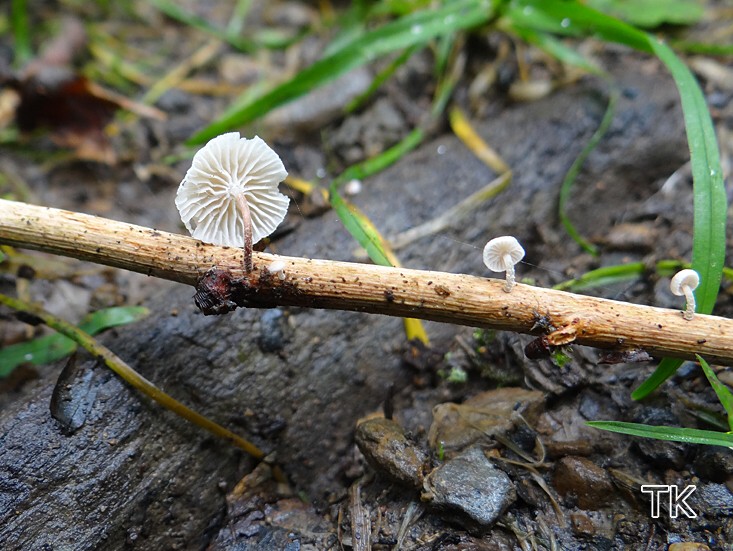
272, 334
387, 449
582, 480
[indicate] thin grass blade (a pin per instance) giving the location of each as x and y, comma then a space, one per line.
651, 13
572, 174
675, 434
722, 391
23, 50
54, 347
416, 28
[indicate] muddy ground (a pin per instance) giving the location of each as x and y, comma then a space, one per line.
296, 381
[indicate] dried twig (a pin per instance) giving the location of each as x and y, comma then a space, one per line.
452, 298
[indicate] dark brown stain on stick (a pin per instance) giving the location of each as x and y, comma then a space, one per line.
442, 291
217, 292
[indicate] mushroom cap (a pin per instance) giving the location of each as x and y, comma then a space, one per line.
224, 168
684, 278
499, 250
276, 266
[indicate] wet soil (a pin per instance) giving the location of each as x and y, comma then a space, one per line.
297, 381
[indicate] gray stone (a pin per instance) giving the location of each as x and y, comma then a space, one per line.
471, 490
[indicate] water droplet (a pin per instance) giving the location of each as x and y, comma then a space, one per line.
565, 23
528, 10
28, 357
416, 29
321, 172
449, 19
712, 172
352, 187
441, 149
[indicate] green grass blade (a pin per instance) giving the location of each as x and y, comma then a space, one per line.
619, 273
572, 174
361, 230
381, 78
556, 49
239, 15
356, 223
53, 347
602, 277
380, 162
23, 50
722, 391
666, 368
675, 434
651, 13
703, 48
174, 11
710, 200
408, 31
574, 19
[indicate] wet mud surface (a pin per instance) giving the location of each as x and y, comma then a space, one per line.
120, 473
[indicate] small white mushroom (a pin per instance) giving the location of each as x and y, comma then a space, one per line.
230, 194
277, 267
683, 283
501, 254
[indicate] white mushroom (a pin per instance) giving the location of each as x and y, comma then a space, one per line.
501, 254
277, 267
683, 283
230, 194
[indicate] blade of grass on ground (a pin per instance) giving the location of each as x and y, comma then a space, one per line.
572, 174
702, 48
471, 139
554, 47
620, 273
651, 13
22, 49
571, 56
381, 78
722, 392
675, 434
176, 12
362, 229
53, 347
710, 201
416, 28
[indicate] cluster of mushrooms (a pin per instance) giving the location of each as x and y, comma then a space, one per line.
230, 197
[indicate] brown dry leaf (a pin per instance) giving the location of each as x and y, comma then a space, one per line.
76, 111
456, 426
65, 105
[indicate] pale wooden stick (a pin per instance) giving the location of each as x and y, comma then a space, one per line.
451, 298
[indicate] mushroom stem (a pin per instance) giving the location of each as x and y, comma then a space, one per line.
510, 277
247, 220
690, 306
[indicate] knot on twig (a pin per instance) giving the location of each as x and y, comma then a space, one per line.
214, 293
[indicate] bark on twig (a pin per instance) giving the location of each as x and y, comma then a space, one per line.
452, 298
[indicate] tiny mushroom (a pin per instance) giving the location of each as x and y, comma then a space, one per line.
230, 196
501, 254
277, 267
683, 283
